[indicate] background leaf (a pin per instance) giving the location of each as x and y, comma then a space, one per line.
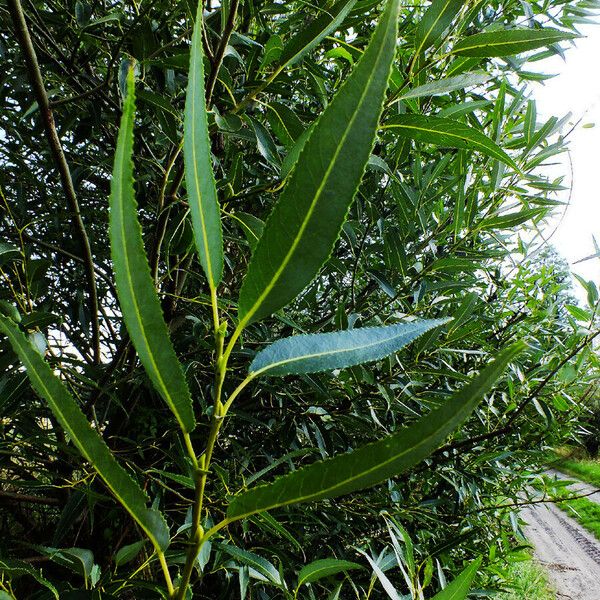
507, 43
448, 133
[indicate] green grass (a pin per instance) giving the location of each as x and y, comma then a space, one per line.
587, 470
528, 581
585, 511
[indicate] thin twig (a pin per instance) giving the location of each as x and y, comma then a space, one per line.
220, 51
18, 18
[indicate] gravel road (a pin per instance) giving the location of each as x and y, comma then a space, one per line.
569, 553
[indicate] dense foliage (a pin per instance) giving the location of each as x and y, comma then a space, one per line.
431, 187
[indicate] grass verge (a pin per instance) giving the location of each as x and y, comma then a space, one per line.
585, 511
528, 581
587, 470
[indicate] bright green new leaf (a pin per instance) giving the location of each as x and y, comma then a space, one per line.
327, 351
375, 462
444, 86
137, 296
304, 225
324, 568
437, 18
509, 42
446, 133
459, 587
310, 36
86, 439
199, 177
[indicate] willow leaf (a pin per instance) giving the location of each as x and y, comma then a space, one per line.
437, 18
445, 86
447, 133
327, 351
509, 42
324, 568
460, 586
305, 223
137, 296
86, 439
308, 37
199, 177
376, 462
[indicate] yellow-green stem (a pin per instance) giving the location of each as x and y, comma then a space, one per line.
201, 467
165, 569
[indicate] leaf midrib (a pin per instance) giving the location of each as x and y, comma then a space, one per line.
194, 75
323, 492
122, 161
329, 353
315, 200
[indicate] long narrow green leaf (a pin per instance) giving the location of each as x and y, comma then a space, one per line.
460, 586
327, 351
447, 133
306, 222
86, 439
437, 18
509, 42
316, 31
199, 177
324, 568
445, 86
137, 296
375, 462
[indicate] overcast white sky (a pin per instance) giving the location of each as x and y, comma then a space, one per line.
576, 89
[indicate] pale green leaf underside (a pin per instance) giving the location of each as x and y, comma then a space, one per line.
447, 133
435, 21
315, 32
509, 42
376, 462
199, 177
445, 86
460, 586
324, 568
141, 308
86, 439
304, 225
327, 351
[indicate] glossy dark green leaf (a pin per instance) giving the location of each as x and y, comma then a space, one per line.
199, 177
86, 439
437, 18
378, 461
308, 37
508, 42
459, 588
326, 567
141, 308
328, 351
446, 133
305, 223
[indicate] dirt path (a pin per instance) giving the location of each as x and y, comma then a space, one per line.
569, 553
